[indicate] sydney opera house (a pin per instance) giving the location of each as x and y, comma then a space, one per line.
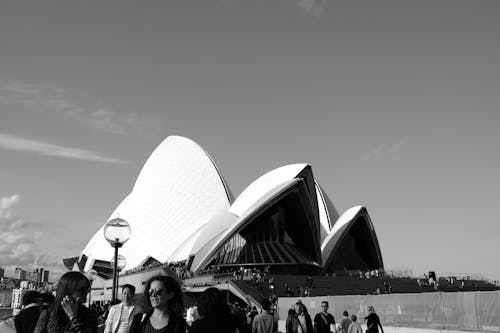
182, 209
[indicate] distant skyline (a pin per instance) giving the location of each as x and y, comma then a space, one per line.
395, 104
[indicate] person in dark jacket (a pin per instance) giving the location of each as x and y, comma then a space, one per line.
68, 314
26, 320
373, 321
215, 316
299, 320
163, 295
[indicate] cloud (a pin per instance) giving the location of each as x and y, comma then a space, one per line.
27, 88
380, 152
314, 7
16, 241
19, 241
50, 99
7, 203
14, 143
398, 146
373, 153
110, 121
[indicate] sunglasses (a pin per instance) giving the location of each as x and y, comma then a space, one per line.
155, 292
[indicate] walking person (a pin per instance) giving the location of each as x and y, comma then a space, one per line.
355, 327
121, 315
164, 295
344, 323
324, 322
298, 320
68, 312
373, 321
251, 316
265, 322
215, 316
26, 320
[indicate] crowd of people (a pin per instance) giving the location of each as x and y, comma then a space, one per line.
179, 268
300, 290
163, 311
299, 321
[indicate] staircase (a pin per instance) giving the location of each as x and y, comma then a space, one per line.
344, 285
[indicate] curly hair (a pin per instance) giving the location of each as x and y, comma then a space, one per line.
176, 303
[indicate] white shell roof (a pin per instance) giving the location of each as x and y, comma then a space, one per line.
251, 199
327, 212
343, 223
223, 226
177, 191
343, 220
257, 189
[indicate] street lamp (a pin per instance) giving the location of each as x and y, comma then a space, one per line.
117, 232
91, 275
120, 264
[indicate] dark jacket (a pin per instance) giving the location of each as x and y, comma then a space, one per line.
292, 323
84, 322
176, 324
220, 324
26, 320
372, 323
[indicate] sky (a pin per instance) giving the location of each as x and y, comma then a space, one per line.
395, 104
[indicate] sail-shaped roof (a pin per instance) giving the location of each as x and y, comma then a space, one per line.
177, 191
180, 208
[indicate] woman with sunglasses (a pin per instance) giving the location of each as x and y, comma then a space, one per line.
68, 312
163, 295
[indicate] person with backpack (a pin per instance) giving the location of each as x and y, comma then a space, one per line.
324, 321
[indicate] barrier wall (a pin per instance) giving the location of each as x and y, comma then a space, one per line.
471, 311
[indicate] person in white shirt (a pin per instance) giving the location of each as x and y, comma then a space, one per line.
354, 327
120, 315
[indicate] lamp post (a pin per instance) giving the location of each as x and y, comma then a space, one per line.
117, 232
121, 262
91, 275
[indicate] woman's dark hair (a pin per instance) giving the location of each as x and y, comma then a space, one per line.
66, 285
212, 302
176, 303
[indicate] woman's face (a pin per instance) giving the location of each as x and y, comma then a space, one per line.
80, 292
159, 295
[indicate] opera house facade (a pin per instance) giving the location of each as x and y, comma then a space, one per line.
181, 209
